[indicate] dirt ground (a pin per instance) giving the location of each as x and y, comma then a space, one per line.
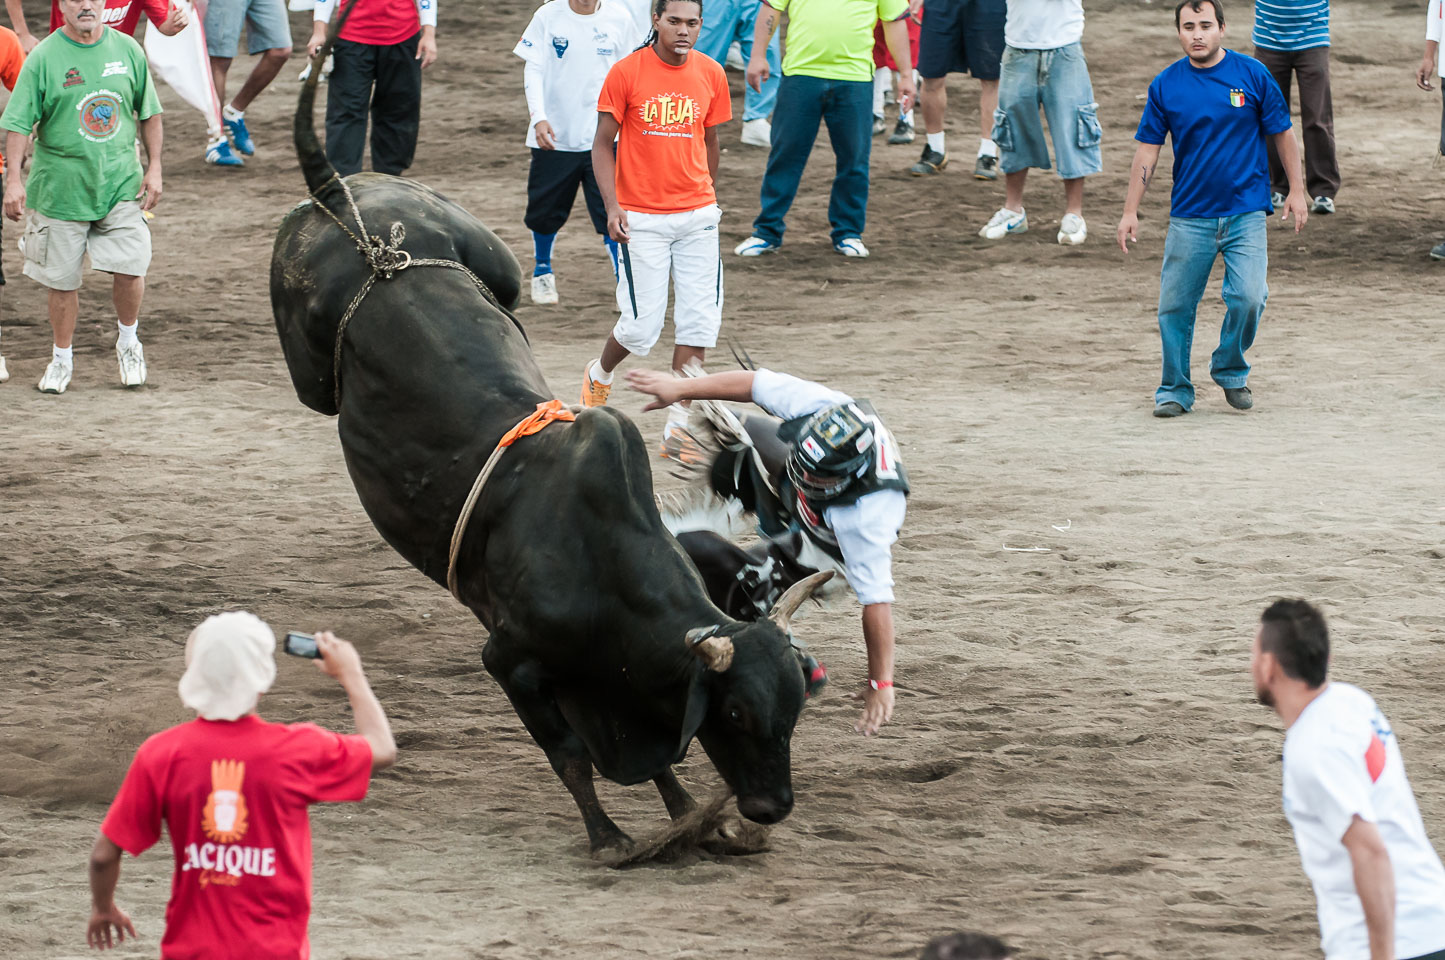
1076, 763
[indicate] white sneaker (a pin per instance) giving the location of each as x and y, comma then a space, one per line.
758, 133
1003, 223
754, 247
851, 247
132, 361
4, 374
56, 377
734, 59
1072, 229
544, 289
1276, 199
1323, 205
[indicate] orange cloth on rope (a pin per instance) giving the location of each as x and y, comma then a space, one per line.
546, 413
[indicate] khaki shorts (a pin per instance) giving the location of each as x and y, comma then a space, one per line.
55, 249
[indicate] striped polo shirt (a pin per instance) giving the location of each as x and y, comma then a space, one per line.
1291, 24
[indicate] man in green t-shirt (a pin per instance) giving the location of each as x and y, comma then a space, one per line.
85, 90
827, 77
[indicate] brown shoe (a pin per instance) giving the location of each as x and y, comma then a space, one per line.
594, 394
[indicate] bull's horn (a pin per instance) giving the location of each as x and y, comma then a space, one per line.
716, 653
792, 599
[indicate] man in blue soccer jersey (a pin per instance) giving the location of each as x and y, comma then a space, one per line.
1220, 108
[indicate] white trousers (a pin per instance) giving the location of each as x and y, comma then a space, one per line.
683, 246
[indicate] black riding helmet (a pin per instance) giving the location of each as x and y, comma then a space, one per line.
830, 452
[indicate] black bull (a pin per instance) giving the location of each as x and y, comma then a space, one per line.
588, 600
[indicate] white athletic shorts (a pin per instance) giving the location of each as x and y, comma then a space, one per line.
683, 246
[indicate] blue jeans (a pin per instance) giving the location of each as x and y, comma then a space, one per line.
729, 20
1190, 249
846, 106
1057, 80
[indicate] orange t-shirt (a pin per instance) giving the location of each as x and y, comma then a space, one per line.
12, 57
664, 111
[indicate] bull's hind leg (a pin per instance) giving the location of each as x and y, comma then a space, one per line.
679, 802
568, 755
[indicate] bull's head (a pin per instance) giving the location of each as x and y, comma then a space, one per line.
745, 702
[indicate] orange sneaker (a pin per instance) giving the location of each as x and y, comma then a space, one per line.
679, 445
594, 393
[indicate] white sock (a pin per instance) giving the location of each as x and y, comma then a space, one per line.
882, 82
935, 142
596, 372
63, 354
231, 113
987, 148
127, 334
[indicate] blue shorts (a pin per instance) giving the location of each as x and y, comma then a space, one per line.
962, 36
1058, 81
266, 26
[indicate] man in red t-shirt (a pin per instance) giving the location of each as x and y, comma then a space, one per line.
662, 106
123, 15
233, 791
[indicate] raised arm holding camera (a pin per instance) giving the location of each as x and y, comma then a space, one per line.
233, 791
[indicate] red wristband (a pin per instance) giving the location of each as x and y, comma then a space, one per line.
880, 685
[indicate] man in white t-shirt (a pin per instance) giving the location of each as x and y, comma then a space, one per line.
843, 485
1043, 66
567, 50
1433, 65
1378, 882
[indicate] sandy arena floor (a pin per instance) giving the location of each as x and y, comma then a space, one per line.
1076, 763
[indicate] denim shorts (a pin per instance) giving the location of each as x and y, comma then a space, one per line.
1058, 81
266, 26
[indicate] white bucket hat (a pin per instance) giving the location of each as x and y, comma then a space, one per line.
230, 662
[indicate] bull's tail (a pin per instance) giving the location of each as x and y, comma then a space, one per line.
315, 167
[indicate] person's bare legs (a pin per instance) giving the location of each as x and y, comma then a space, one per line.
933, 100
987, 104
126, 292
1013, 190
219, 67
613, 353
270, 65
682, 356
1074, 196
64, 309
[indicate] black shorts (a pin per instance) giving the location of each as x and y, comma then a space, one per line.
552, 183
962, 36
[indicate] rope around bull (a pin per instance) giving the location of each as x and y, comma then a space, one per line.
386, 259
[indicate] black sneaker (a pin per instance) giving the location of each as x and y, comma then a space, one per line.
1239, 397
902, 132
1169, 409
1438, 252
931, 162
986, 168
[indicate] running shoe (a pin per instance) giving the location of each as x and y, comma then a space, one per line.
56, 377
240, 136
1324, 205
1072, 229
4, 373
679, 445
851, 247
1437, 252
754, 247
931, 162
544, 289
132, 361
879, 125
1276, 199
902, 132
220, 154
594, 393
758, 133
1003, 223
985, 168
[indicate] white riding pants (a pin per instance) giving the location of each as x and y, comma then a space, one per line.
683, 246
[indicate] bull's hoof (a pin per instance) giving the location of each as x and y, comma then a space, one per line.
735, 837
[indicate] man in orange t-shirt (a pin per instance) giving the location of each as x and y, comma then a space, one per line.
662, 106
12, 55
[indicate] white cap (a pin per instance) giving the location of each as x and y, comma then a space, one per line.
230, 662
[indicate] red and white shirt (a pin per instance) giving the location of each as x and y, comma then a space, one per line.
1341, 761
233, 796
123, 15
380, 23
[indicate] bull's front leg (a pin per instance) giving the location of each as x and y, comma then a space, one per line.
678, 801
525, 686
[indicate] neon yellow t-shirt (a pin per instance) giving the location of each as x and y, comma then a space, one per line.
833, 39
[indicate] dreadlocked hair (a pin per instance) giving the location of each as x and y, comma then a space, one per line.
659, 7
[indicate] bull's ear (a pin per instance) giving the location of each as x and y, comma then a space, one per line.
693, 715
715, 652
792, 599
